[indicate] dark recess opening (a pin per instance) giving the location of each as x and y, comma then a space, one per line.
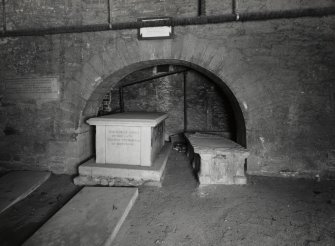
163, 68
193, 101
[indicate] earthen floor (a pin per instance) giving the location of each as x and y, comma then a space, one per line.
267, 211
22, 219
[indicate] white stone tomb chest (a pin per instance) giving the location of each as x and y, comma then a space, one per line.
129, 138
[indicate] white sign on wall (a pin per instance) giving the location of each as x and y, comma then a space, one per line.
157, 32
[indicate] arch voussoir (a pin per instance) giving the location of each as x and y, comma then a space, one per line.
104, 70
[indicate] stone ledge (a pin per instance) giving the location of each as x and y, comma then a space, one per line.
129, 119
92, 217
91, 173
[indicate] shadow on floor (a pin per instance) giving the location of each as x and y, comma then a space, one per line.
267, 211
21, 220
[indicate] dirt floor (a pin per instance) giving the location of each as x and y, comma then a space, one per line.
20, 221
267, 211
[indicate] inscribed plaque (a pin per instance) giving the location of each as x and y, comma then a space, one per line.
123, 145
32, 88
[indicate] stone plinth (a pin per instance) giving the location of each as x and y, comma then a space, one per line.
130, 151
129, 138
221, 160
91, 173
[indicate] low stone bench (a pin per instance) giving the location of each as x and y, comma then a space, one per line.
217, 160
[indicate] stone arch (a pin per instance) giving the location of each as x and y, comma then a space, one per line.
91, 107
105, 69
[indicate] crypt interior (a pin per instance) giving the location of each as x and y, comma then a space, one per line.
195, 122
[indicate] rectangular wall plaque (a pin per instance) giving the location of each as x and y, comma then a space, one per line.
123, 145
158, 32
45, 87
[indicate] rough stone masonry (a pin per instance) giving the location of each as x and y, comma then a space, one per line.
280, 72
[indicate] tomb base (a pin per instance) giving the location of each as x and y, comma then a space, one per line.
92, 173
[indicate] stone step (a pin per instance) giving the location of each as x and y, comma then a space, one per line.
92, 217
91, 173
17, 185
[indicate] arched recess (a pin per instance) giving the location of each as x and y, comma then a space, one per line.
92, 105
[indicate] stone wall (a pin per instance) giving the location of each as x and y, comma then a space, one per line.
281, 73
274, 5
206, 110
130, 10
23, 14
36, 14
207, 107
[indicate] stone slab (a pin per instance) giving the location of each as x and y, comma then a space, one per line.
221, 160
207, 143
93, 217
92, 173
129, 119
16, 185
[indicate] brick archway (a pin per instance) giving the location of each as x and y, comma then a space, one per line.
104, 85
112, 63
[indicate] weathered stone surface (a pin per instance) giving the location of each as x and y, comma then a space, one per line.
49, 14
270, 5
1, 21
93, 217
92, 173
206, 108
16, 185
215, 7
221, 160
129, 138
129, 10
280, 71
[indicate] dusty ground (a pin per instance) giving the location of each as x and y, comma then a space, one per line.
267, 211
20, 221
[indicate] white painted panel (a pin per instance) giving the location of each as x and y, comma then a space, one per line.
123, 145
146, 147
100, 144
158, 31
